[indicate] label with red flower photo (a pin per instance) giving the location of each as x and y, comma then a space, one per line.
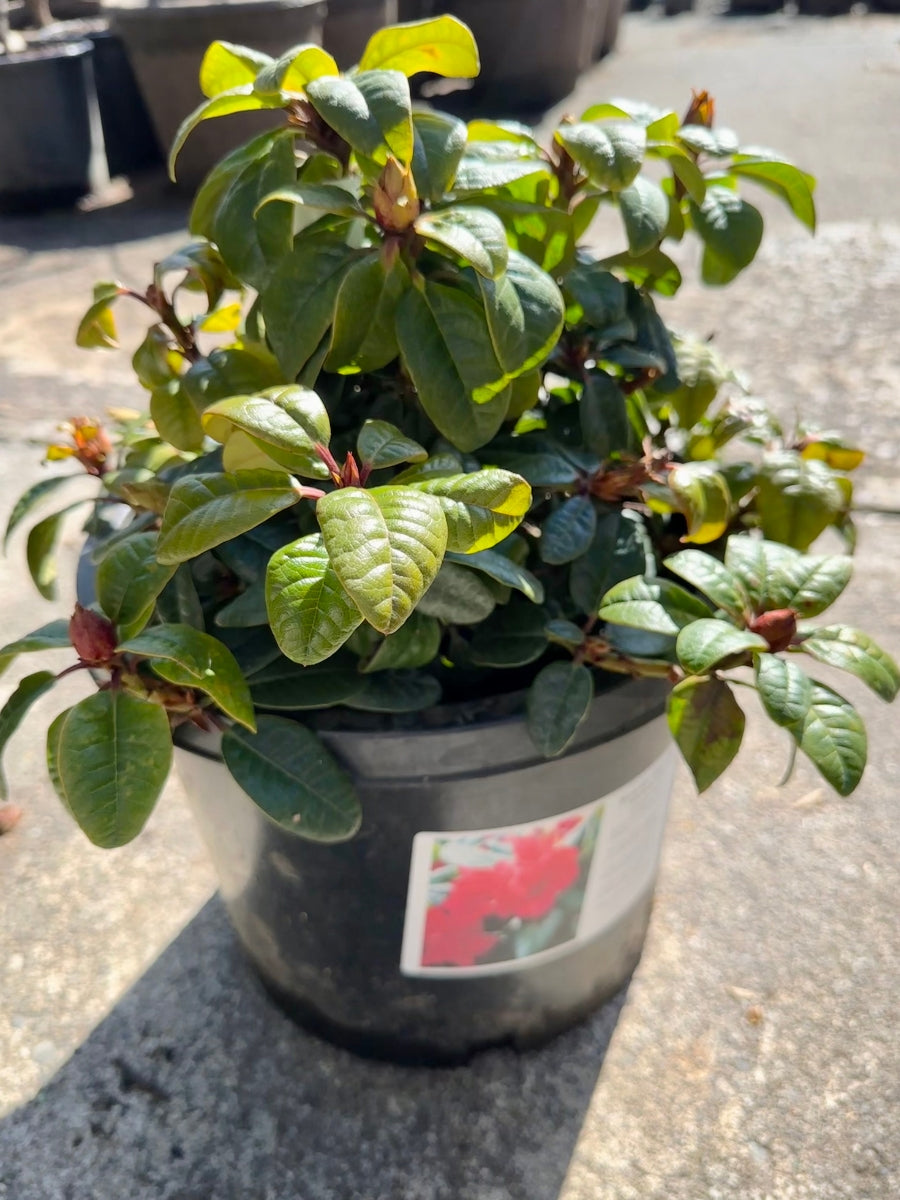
487, 901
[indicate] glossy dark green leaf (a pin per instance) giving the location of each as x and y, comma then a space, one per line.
512, 636
310, 612
458, 596
396, 692
206, 510
29, 689
237, 99
189, 658
109, 758
707, 724
175, 417
558, 701
473, 234
438, 144
179, 603
708, 643
212, 191
497, 164
288, 687
814, 582
539, 459
40, 554
371, 111
731, 231
652, 604
363, 336
129, 580
854, 651
381, 444
30, 499
247, 610
53, 636
525, 312
497, 566
785, 690
713, 579
287, 423
611, 153
415, 644
604, 415
314, 199
797, 498
645, 213
229, 372
289, 774
766, 569
481, 508
617, 551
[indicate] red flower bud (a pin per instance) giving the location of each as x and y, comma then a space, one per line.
93, 636
777, 627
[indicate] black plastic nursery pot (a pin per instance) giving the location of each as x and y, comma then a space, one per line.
49, 130
490, 896
166, 43
350, 23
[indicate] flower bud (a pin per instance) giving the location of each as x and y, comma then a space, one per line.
395, 199
777, 627
93, 636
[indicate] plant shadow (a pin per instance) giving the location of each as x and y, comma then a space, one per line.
196, 1087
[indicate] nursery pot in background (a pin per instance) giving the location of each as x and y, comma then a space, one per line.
491, 896
51, 147
166, 43
350, 23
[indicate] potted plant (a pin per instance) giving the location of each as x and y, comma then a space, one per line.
434, 541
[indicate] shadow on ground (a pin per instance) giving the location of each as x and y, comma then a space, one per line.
197, 1088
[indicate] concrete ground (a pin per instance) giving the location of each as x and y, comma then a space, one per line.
754, 1056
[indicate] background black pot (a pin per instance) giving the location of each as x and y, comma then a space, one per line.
350, 23
328, 926
51, 148
128, 135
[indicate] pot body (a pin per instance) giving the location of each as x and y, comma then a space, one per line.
490, 896
49, 129
128, 135
166, 44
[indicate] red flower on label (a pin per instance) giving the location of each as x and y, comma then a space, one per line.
450, 942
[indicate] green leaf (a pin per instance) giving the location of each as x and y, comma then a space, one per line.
458, 596
29, 501
175, 417
512, 636
611, 153
786, 692
294, 69
652, 604
525, 312
381, 444
497, 164
780, 178
713, 579
396, 692
287, 423
363, 336
289, 774
834, 739
815, 582
109, 757
704, 498
28, 690
97, 327
653, 271
474, 234
210, 196
386, 546
228, 372
415, 644
206, 510
442, 45
564, 633
600, 294
497, 566
481, 508
798, 498
236, 99
179, 602
558, 701
731, 231
447, 352
708, 643
617, 552
129, 579
39, 553
645, 213
246, 610
568, 531
310, 612
539, 459
603, 413
701, 373
189, 658
227, 66
438, 144
289, 687
299, 299
372, 112
854, 651
707, 724
53, 636
316, 198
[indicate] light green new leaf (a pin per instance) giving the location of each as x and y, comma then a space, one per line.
458, 596
707, 724
39, 554
189, 658
310, 612
481, 508
299, 299
713, 579
474, 234
441, 45
129, 579
30, 499
381, 444
294, 70
652, 604
611, 153
780, 178
558, 701
205, 510
363, 336
704, 498
109, 758
731, 231
645, 213
415, 644
236, 99
285, 686
97, 327
175, 417
568, 531
29, 689
525, 312
372, 112
497, 566
854, 651
386, 546
289, 774
286, 423
226, 66
701, 373
438, 144
709, 643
